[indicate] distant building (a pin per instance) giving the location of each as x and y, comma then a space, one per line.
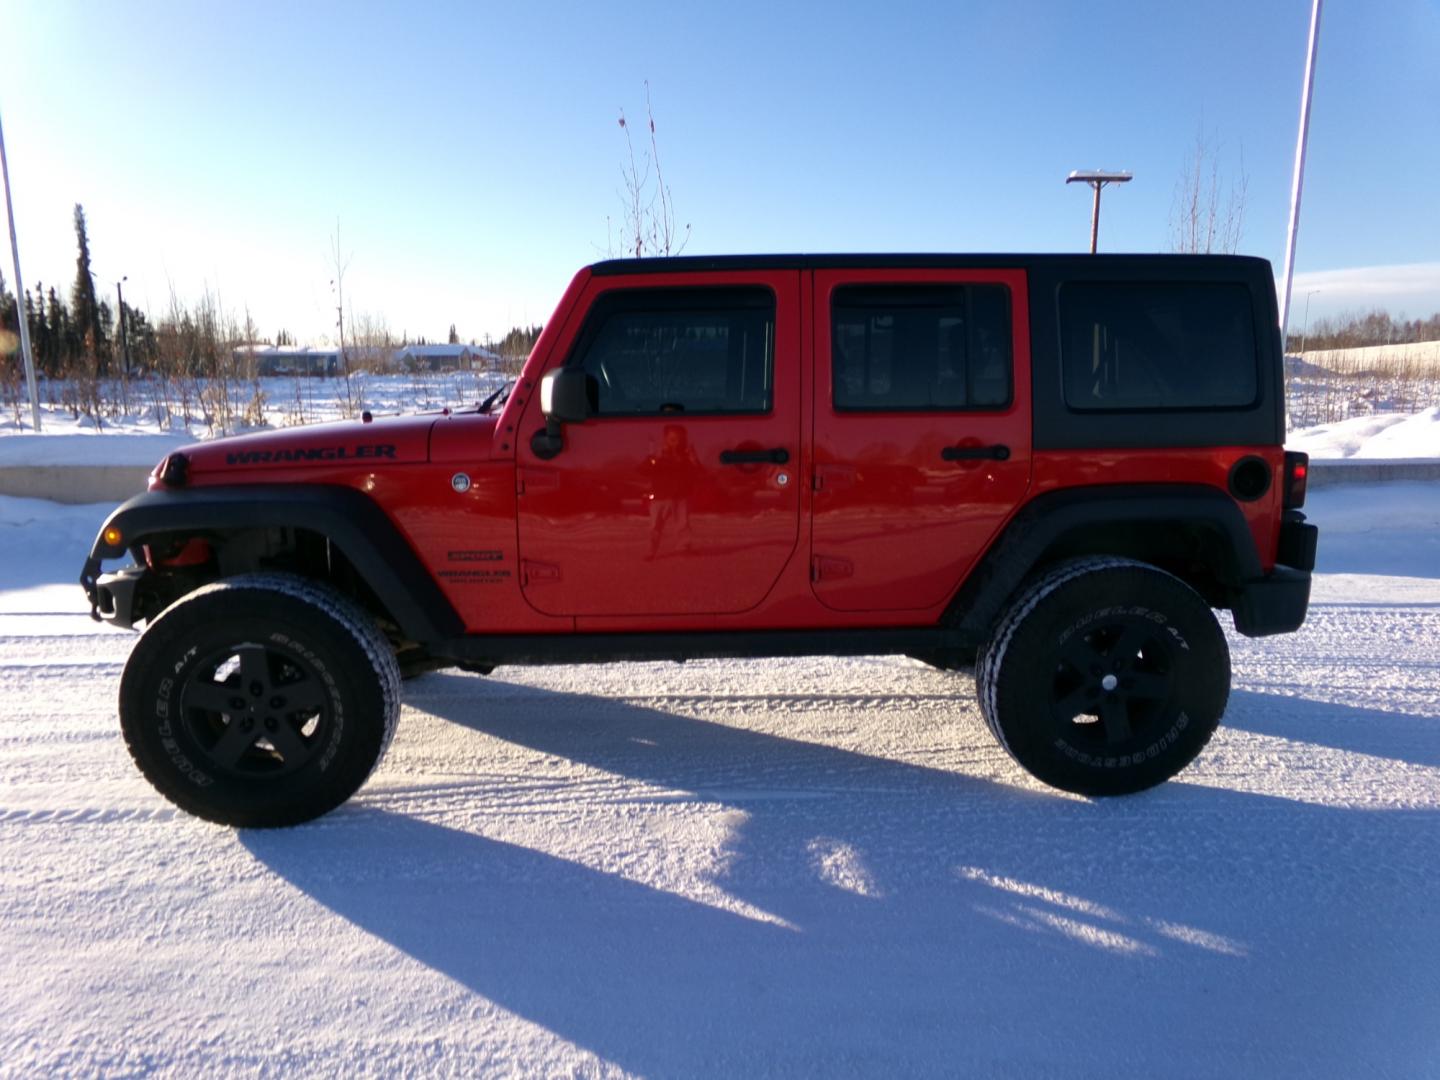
288, 360
446, 358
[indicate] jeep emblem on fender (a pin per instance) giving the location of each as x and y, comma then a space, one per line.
460, 482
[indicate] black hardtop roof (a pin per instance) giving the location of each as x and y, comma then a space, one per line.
1227, 265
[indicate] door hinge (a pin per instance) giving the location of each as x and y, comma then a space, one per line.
533, 480
827, 568
833, 478
534, 573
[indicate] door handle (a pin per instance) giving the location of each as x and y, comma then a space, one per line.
976, 453
778, 456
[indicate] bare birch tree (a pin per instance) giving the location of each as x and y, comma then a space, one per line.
1208, 212
649, 207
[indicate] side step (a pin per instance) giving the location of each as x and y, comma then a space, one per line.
501, 649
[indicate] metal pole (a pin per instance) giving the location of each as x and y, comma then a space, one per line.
1097, 179
20, 293
1095, 216
1298, 183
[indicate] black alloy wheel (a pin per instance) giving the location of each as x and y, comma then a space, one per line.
255, 712
1113, 681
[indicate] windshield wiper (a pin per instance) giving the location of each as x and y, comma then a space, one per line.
499, 397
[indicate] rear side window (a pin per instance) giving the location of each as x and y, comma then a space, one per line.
662, 351
920, 347
1157, 346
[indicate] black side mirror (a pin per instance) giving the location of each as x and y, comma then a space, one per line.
565, 396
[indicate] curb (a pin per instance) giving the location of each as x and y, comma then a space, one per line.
1327, 472
74, 483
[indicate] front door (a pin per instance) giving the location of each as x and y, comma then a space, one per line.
922, 429
679, 495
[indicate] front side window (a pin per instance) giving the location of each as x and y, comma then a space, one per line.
1169, 345
652, 352
920, 347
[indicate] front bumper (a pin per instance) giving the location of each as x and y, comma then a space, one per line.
112, 596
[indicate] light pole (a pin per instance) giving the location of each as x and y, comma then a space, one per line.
21, 318
1097, 180
1297, 184
1306, 328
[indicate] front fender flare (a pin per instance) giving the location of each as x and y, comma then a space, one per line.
350, 519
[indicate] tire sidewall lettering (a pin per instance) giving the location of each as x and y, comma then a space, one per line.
1129, 611
1134, 758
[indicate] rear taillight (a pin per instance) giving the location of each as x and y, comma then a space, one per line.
1297, 472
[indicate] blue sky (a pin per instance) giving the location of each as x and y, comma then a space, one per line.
472, 156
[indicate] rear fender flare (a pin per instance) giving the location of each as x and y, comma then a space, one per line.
1048, 519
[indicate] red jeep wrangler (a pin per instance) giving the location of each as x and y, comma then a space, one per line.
1051, 467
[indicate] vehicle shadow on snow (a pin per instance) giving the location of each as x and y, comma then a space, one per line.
1406, 737
924, 921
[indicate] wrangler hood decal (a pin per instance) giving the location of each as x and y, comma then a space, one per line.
393, 441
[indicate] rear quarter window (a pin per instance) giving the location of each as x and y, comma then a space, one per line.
1157, 346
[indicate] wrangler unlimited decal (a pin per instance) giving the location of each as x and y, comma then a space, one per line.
314, 453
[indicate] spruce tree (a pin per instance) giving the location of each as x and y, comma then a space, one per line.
36, 319
64, 343
86, 314
9, 309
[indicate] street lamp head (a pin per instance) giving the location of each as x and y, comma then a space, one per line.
1098, 176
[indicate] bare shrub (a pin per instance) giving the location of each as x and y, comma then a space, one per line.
1207, 214
649, 207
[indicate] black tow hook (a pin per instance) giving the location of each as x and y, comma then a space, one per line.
88, 581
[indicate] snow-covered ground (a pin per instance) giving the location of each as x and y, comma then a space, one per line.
802, 868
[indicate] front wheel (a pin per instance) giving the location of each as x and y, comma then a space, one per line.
261, 700
1105, 677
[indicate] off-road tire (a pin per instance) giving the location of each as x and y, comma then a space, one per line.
259, 701
1105, 676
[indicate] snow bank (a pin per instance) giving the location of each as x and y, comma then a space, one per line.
1386, 436
1423, 355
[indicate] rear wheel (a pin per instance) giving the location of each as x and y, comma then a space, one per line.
261, 700
1105, 677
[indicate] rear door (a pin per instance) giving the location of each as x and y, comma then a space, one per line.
922, 429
